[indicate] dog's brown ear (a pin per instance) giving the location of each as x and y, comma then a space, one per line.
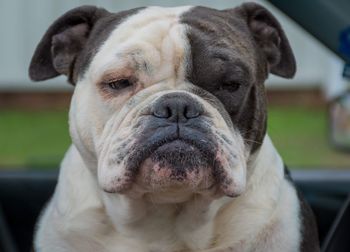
270, 37
57, 51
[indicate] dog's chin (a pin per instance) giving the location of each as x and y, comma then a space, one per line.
169, 197
174, 173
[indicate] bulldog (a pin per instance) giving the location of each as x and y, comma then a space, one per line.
168, 124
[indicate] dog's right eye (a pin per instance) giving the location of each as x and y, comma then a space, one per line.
230, 86
119, 84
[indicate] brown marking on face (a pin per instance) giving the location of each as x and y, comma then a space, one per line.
111, 76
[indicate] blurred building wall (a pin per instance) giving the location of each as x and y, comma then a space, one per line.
23, 22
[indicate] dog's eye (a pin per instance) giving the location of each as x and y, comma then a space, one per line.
230, 86
119, 84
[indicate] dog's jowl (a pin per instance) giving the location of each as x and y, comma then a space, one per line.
168, 123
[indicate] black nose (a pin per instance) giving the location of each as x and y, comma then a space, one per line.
177, 107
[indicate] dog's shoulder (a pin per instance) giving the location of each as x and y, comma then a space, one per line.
308, 228
267, 213
73, 209
310, 240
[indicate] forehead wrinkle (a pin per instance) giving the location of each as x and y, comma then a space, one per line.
140, 21
137, 58
172, 49
143, 31
181, 48
167, 40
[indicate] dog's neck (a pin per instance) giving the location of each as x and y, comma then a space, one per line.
266, 161
184, 222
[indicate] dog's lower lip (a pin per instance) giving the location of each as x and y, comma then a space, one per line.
176, 142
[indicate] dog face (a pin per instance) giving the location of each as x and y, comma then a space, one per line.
169, 102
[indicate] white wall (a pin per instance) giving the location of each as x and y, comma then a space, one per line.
23, 22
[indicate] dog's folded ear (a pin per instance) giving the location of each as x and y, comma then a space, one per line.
62, 43
270, 37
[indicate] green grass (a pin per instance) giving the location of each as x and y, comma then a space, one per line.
39, 139
300, 135
33, 139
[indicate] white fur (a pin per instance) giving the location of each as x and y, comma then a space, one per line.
82, 217
264, 218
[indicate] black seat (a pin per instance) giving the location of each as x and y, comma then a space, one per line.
338, 239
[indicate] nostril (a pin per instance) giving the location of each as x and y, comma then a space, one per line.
177, 108
169, 112
162, 112
191, 112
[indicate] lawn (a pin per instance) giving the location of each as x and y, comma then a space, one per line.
33, 139
38, 140
300, 135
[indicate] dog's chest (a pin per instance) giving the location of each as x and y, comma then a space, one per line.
162, 230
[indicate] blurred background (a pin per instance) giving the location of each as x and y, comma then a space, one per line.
33, 116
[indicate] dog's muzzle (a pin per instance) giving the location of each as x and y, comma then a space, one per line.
173, 147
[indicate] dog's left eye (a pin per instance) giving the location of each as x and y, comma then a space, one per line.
119, 84
230, 86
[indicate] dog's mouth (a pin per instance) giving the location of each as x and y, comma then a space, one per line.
173, 159
176, 164
179, 149
180, 156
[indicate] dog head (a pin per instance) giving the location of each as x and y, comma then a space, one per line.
168, 102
